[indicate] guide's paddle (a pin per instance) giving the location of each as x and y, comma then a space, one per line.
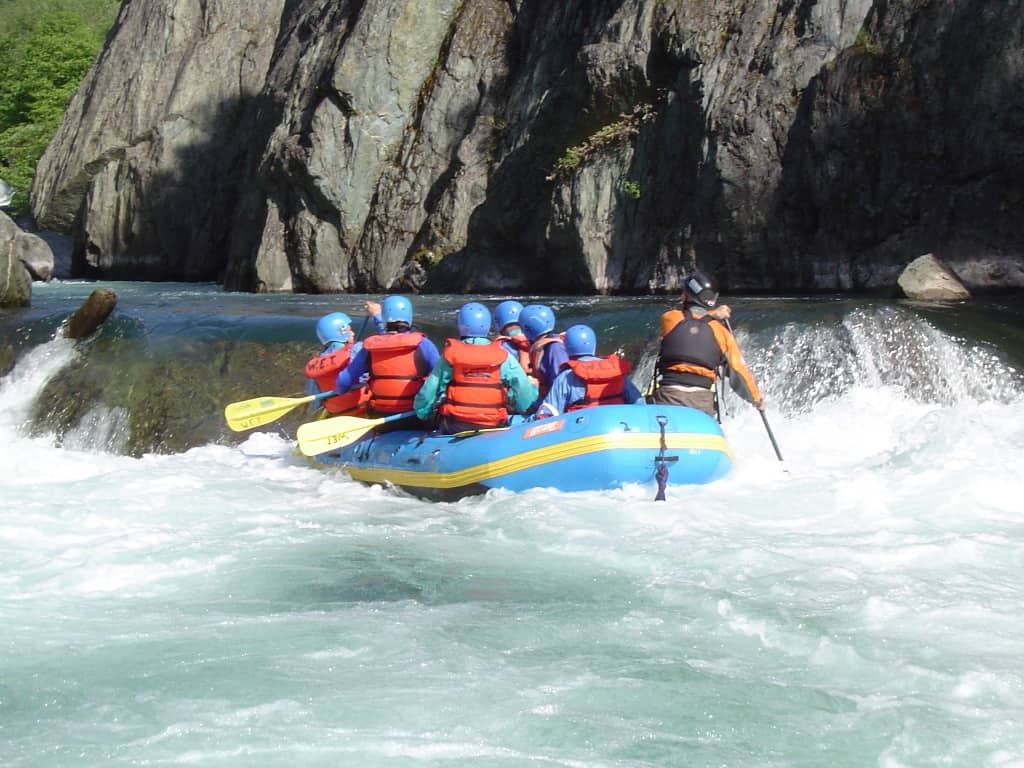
316, 437
771, 436
263, 410
764, 418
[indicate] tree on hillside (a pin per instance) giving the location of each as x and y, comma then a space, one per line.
42, 62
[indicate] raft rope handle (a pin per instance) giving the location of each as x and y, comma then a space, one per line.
661, 473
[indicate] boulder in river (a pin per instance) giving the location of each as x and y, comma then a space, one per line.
928, 278
15, 281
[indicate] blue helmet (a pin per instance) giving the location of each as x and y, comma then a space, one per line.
474, 319
580, 340
536, 319
397, 309
334, 327
506, 313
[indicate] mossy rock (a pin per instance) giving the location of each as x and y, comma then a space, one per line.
174, 400
7, 358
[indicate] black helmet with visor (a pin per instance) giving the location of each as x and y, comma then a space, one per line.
699, 289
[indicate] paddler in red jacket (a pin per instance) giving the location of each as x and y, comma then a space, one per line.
339, 345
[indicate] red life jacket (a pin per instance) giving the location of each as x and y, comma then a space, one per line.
475, 393
324, 369
605, 379
521, 345
395, 377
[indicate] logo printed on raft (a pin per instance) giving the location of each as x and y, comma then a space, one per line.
543, 429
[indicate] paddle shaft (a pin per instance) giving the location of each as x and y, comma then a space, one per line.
764, 418
771, 436
362, 328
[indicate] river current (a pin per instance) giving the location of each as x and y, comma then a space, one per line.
859, 604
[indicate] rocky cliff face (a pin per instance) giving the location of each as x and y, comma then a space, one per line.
145, 168
524, 145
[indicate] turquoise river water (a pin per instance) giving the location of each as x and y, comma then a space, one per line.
859, 604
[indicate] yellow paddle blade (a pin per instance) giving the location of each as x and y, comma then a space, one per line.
318, 437
260, 410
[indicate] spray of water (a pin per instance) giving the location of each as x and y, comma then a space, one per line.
881, 348
19, 388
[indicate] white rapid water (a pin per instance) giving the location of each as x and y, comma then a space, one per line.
860, 604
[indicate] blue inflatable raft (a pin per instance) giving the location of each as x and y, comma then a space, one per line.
588, 450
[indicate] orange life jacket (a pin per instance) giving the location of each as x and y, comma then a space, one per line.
324, 370
605, 379
395, 377
475, 393
521, 345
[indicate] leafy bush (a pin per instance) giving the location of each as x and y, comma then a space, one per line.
631, 189
45, 50
627, 126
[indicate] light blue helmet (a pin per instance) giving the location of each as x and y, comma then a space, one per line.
536, 319
580, 340
336, 326
506, 313
474, 319
397, 309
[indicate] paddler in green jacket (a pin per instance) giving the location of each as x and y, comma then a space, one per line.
476, 383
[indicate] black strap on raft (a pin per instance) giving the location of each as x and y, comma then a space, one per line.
661, 473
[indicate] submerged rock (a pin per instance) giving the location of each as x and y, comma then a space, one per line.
7, 358
928, 278
165, 400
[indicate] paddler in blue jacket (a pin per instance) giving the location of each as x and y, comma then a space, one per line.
510, 332
588, 380
477, 383
547, 352
397, 361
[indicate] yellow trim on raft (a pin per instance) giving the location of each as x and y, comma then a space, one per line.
529, 459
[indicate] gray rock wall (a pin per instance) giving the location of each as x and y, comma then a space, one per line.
145, 167
364, 145
911, 143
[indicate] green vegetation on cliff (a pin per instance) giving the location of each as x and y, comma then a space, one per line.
46, 47
627, 126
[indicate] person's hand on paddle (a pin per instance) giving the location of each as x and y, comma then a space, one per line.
721, 312
373, 309
761, 405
